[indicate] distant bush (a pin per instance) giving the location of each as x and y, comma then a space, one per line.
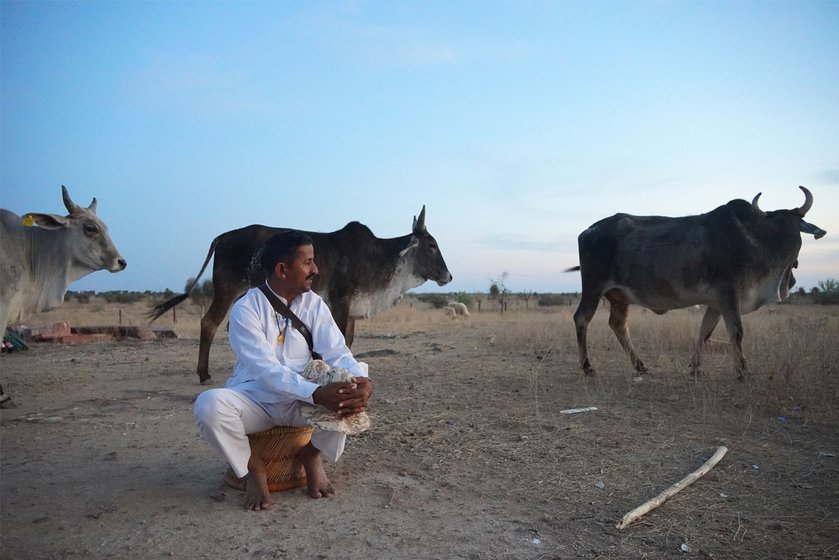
827, 293
123, 296
462, 297
438, 301
202, 293
81, 297
548, 300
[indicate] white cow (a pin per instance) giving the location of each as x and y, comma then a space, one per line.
459, 308
41, 254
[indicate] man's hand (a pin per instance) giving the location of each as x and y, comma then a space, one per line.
345, 398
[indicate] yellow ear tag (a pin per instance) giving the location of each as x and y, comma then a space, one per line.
28, 220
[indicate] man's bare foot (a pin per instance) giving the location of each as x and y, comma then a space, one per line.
316, 481
257, 495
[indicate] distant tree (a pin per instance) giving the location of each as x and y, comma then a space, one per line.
498, 290
828, 292
201, 294
527, 296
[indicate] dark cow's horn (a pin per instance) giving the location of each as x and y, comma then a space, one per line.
808, 202
419, 223
755, 205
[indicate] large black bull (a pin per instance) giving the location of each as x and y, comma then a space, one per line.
733, 259
359, 274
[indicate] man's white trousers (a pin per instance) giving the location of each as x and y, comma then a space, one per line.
225, 417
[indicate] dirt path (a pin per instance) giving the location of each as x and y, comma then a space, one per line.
469, 457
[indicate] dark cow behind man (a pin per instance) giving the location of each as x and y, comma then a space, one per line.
732, 259
359, 274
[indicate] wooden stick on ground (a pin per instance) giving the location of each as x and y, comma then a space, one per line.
653, 503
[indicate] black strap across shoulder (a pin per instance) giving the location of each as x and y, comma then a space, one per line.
296, 322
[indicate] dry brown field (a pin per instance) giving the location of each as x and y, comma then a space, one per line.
469, 455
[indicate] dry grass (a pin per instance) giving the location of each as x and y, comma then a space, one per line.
469, 444
791, 349
186, 318
646, 433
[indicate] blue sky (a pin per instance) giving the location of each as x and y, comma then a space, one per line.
517, 124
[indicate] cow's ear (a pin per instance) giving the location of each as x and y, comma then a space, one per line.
47, 221
414, 243
419, 223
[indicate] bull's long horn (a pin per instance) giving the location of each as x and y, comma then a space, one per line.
419, 223
808, 202
755, 205
71, 206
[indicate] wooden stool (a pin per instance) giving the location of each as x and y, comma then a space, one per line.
279, 449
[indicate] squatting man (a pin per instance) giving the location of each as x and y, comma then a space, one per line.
267, 386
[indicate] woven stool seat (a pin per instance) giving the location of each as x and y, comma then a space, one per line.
279, 448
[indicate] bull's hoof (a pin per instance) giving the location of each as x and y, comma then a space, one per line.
205, 380
589, 372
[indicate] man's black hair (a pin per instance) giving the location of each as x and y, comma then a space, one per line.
282, 247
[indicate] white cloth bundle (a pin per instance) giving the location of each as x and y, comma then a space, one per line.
318, 371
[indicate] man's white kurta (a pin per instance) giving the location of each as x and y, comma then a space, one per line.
268, 377
270, 372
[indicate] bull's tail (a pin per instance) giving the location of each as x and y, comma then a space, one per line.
572, 269
162, 308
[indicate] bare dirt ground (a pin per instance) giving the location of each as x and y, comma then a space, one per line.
468, 457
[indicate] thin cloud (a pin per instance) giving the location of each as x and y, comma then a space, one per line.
199, 84
512, 242
390, 45
830, 176
403, 45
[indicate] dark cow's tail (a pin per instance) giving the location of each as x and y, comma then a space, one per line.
162, 308
572, 269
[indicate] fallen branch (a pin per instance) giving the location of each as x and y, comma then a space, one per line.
653, 503
576, 410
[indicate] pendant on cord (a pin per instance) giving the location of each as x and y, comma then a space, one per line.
281, 336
